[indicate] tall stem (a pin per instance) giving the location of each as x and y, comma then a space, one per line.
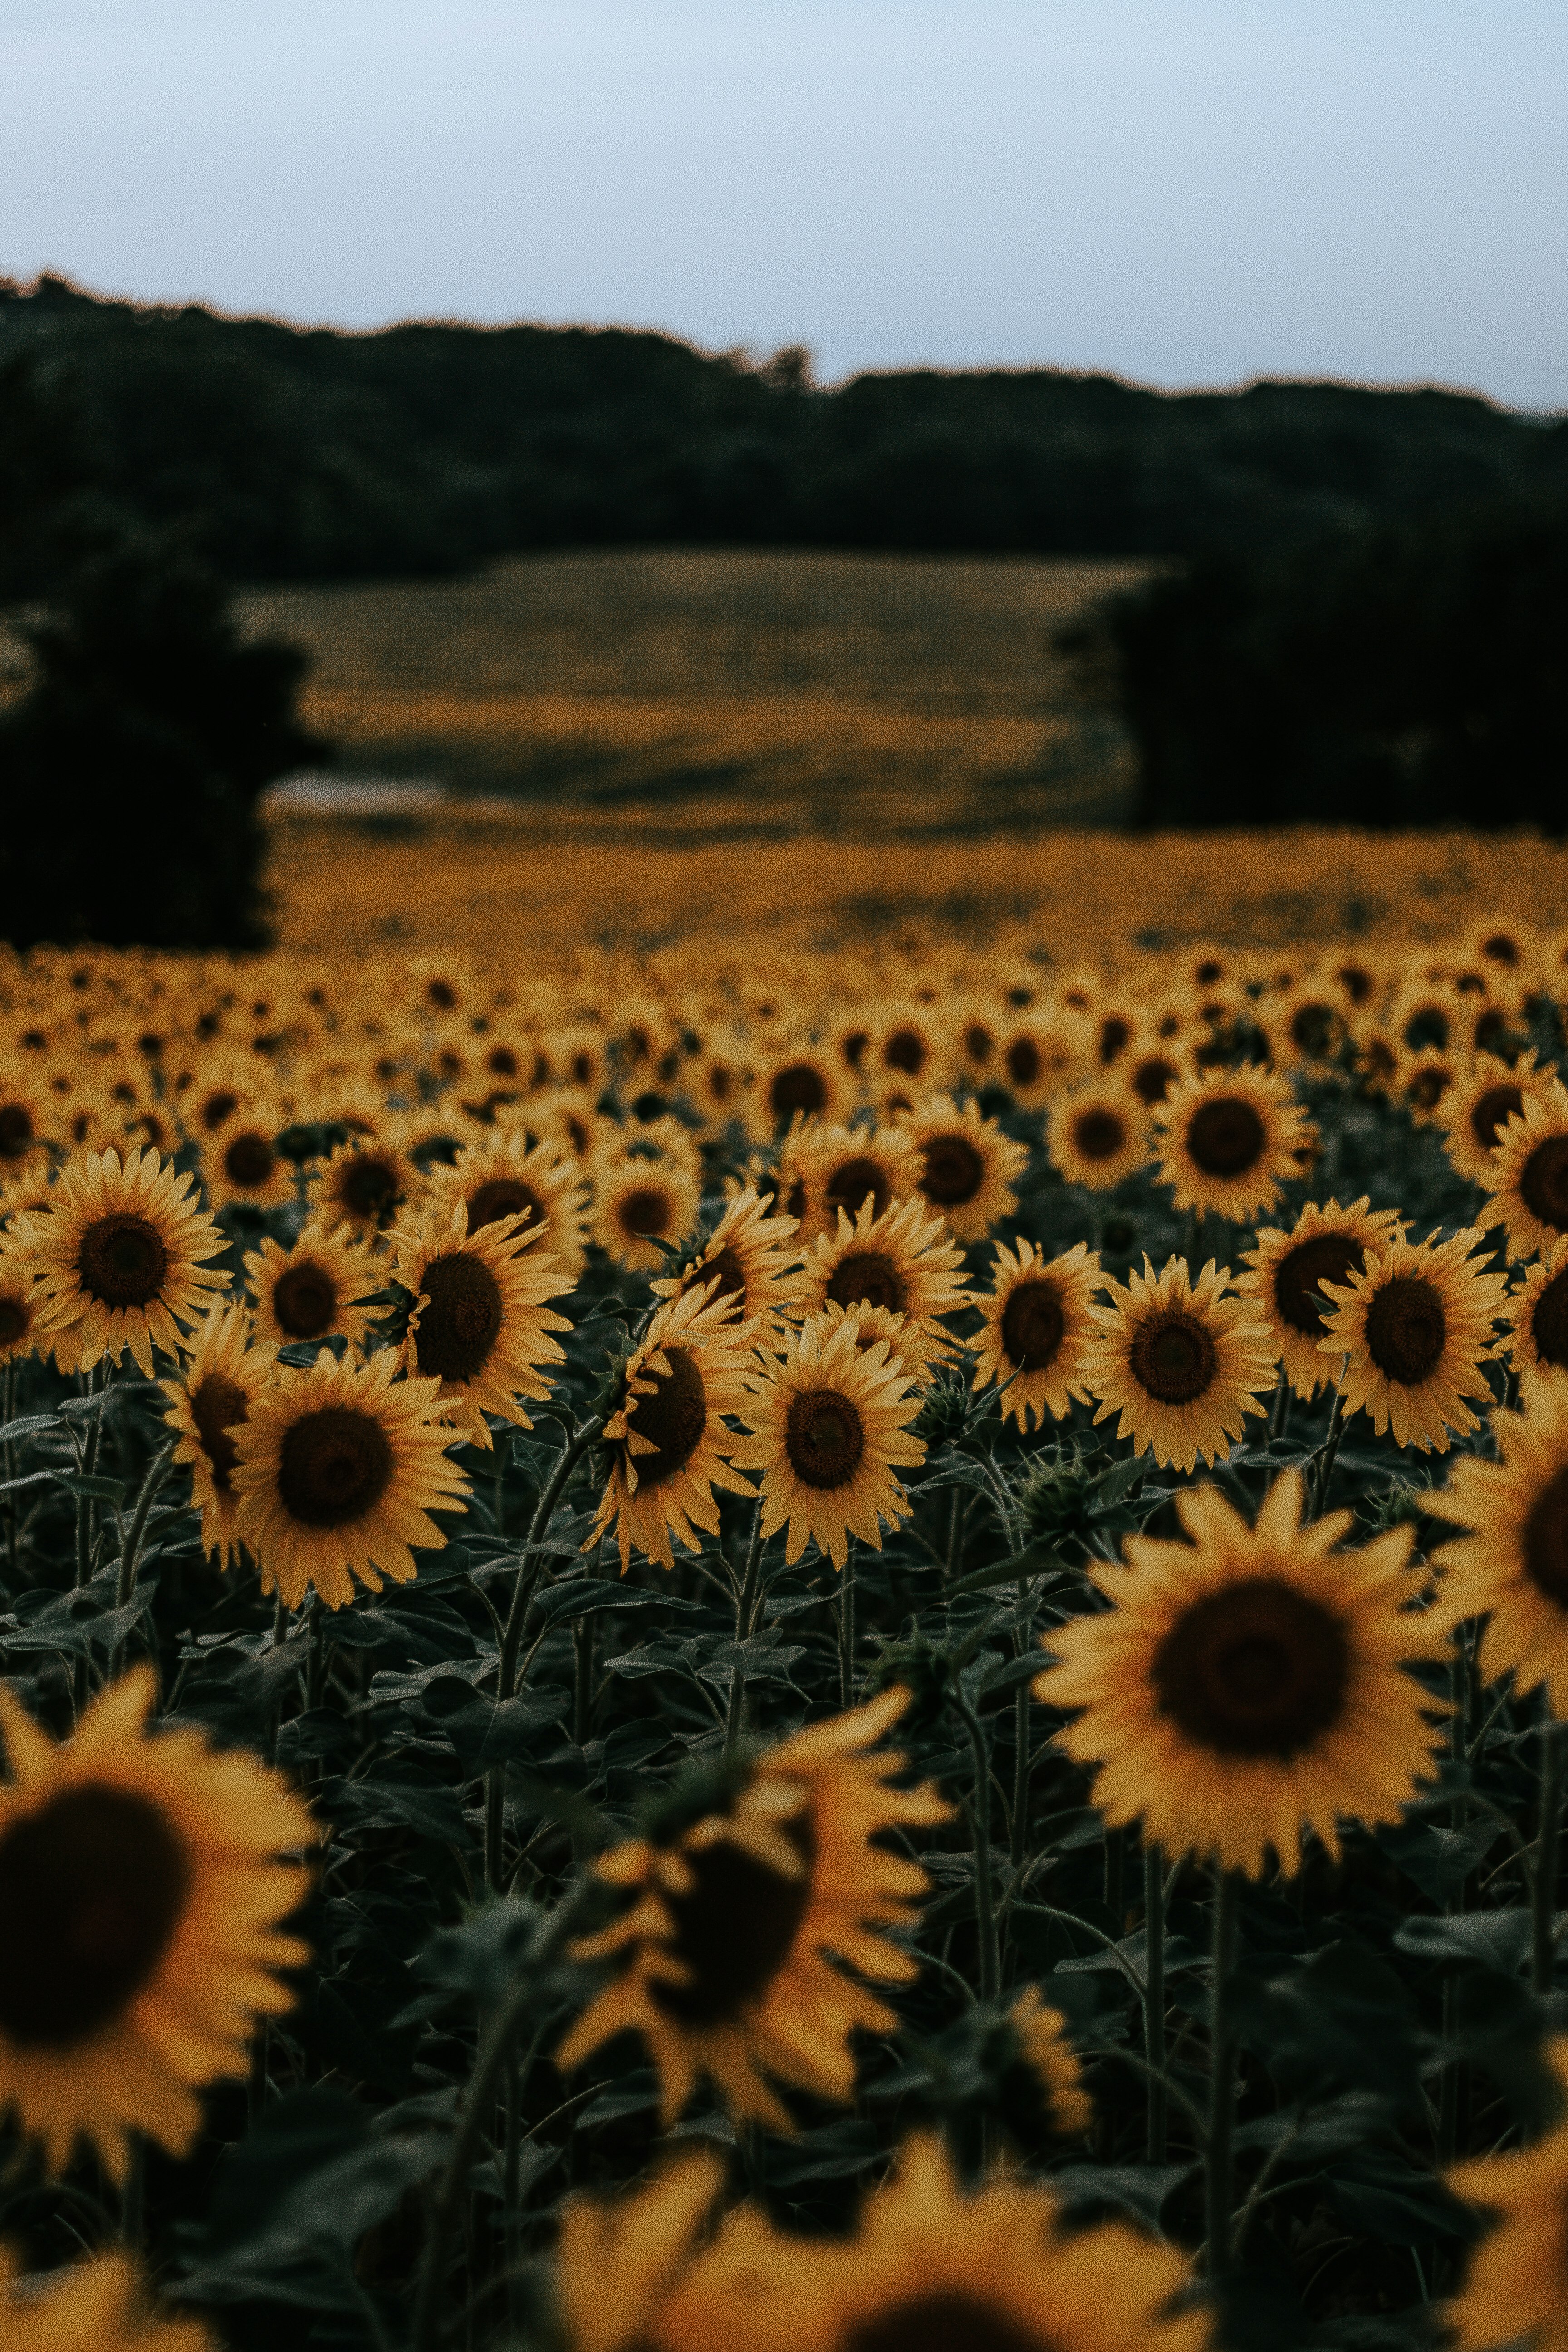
847, 1630
1020, 1845
1219, 2157
131, 1554
980, 1830
1451, 2088
1154, 2001
1548, 1849
1328, 1452
1115, 1879
745, 1605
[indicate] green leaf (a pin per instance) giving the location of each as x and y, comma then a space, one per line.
1486, 1939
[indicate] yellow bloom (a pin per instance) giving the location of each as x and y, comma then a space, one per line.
210, 1400
828, 1431
1036, 1327
1182, 1362
1415, 1328
120, 1257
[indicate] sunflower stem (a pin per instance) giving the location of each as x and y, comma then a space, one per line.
131, 1552
847, 1630
1154, 2001
1451, 2090
745, 1603
1280, 1417
954, 1530
1219, 2151
1328, 1453
1548, 1848
1020, 1775
979, 1812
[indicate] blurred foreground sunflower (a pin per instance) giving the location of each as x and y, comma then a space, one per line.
1516, 2284
1414, 1327
211, 1398
1512, 1568
478, 1324
101, 2306
1249, 1685
829, 1431
619, 2258
1037, 1326
665, 1444
1288, 1269
120, 1257
1181, 1362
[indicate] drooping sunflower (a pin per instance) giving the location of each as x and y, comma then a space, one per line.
1474, 1112
638, 1202
725, 1955
665, 1444
340, 1467
363, 1183
478, 1324
1288, 1269
315, 1290
829, 1430
968, 1168
751, 1263
902, 1260
1529, 1173
1249, 1683
1182, 1362
1228, 1140
227, 1373
142, 1894
1514, 1561
1414, 1327
1537, 1313
1516, 2283
1097, 1135
1037, 1326
120, 1257
101, 2306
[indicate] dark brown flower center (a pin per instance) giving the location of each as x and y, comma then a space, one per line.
1490, 1114
674, 1416
1303, 1272
1032, 1325
866, 1277
1543, 1182
1257, 1670
503, 1196
735, 1926
123, 1261
248, 1161
942, 2321
825, 1438
1173, 1357
371, 1186
978, 1042
797, 1086
501, 1062
461, 1320
723, 1276
853, 1181
906, 1050
221, 1104
305, 1300
1546, 1541
1225, 1137
1428, 1086
1022, 1059
1406, 1328
1114, 1033
1549, 1321
1153, 1077
17, 1130
15, 1322
954, 1170
92, 1888
217, 1406
645, 1211
1312, 1025
334, 1466
1099, 1134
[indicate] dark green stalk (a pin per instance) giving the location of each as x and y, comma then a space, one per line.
1154, 2002
846, 1629
955, 1531
130, 1551
1115, 1881
1279, 1416
745, 1606
1450, 2090
1219, 2154
1326, 1455
980, 1830
1548, 1848
1020, 1845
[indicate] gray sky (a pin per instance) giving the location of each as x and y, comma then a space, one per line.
1182, 191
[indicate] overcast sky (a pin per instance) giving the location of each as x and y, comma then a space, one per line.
1182, 191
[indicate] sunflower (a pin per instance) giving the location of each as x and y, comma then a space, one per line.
1514, 1561
141, 1895
968, 1168
363, 1183
1151, 1071
723, 1953
505, 1176
665, 1444
118, 1256
1248, 1683
1538, 1313
1051, 2064
1529, 1173
1422, 1081
909, 1343
20, 1195
1039, 1057
901, 1260
19, 1300
478, 1324
617, 2259
1425, 1013
930, 2265
749, 1261
242, 1163
1097, 1135
339, 1470
638, 1202
829, 1430
1478, 1106
1308, 1023
315, 1289
1182, 1362
1036, 1328
26, 1121
880, 1164
1375, 1056
797, 1081
100, 2306
1288, 1269
908, 1050
211, 1397
1229, 1140
1516, 2285
1414, 1327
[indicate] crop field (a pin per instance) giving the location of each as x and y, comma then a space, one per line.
862, 1651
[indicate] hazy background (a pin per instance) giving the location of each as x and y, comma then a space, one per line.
1184, 191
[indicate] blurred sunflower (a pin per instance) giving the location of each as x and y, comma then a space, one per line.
829, 1431
968, 1168
98, 2305
1097, 1135
478, 1324
1537, 1313
638, 1202
26, 1121
665, 1444
1425, 1013
1414, 1327
1182, 1362
507, 1177
901, 1260
242, 1163
20, 1195
338, 1469
750, 1264
1037, 1327
977, 1035
1151, 1071
1288, 1269
1307, 1024
618, 2259
120, 1258
1474, 1112
141, 1893
314, 1289
725, 1954
221, 1093
880, 1164
1374, 1056
363, 1183
1515, 2290
799, 1081
1249, 1685
1229, 1140
1039, 1057
209, 1400
1529, 1173
1422, 1081
1514, 1561
908, 1050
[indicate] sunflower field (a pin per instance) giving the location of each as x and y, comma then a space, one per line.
702, 1652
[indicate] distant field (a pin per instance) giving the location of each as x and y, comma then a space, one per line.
800, 688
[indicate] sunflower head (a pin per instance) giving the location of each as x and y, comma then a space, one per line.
209, 1404
120, 1257
1182, 1361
